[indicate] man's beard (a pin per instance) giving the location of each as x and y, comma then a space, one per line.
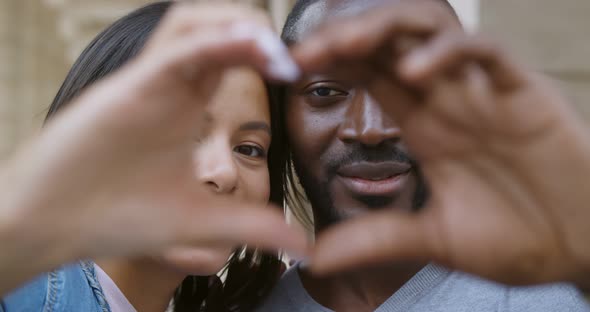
318, 190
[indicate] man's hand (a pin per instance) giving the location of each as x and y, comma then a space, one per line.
505, 157
113, 174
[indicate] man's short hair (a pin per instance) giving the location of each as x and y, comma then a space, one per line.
291, 30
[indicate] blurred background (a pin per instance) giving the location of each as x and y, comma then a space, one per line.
39, 40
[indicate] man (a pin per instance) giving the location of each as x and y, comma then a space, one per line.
347, 152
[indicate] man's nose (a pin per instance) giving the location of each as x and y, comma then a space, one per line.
217, 169
367, 123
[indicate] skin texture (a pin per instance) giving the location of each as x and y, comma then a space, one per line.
230, 162
502, 151
139, 195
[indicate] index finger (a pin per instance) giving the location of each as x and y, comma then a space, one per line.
360, 36
231, 225
374, 239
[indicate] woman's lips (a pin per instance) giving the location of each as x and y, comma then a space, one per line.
374, 179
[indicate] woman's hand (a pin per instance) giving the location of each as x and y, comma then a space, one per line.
113, 174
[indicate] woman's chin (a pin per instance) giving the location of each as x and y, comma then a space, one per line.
197, 261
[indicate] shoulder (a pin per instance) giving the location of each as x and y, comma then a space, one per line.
475, 291
65, 289
34, 296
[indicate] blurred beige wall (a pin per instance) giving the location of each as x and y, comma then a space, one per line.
551, 36
39, 39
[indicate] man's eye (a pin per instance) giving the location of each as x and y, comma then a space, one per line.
326, 92
250, 151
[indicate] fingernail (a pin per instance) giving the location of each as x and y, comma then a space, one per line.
281, 66
242, 30
285, 70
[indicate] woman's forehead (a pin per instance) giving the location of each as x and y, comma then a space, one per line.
241, 96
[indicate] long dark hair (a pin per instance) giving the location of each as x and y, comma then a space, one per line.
249, 274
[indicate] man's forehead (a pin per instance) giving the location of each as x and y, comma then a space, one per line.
310, 18
318, 11
351, 7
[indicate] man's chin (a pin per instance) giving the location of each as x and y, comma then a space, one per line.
355, 207
348, 205
336, 216
375, 202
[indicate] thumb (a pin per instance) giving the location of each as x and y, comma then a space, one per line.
263, 227
373, 239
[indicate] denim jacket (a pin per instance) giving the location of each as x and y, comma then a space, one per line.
72, 288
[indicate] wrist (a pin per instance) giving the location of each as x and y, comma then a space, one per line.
30, 236
28, 251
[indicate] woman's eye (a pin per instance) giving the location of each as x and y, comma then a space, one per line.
326, 92
250, 151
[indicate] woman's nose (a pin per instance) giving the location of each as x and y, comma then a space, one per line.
217, 169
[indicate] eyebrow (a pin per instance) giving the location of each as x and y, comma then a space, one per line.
256, 125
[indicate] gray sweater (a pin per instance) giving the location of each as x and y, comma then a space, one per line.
435, 289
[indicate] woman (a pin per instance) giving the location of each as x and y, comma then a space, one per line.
233, 159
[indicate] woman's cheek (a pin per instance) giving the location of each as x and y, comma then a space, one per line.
257, 186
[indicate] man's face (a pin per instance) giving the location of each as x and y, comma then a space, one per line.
346, 148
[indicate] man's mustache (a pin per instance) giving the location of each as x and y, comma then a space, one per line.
356, 153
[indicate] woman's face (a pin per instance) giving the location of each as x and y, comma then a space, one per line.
230, 158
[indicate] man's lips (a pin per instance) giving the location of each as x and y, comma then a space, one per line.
374, 179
